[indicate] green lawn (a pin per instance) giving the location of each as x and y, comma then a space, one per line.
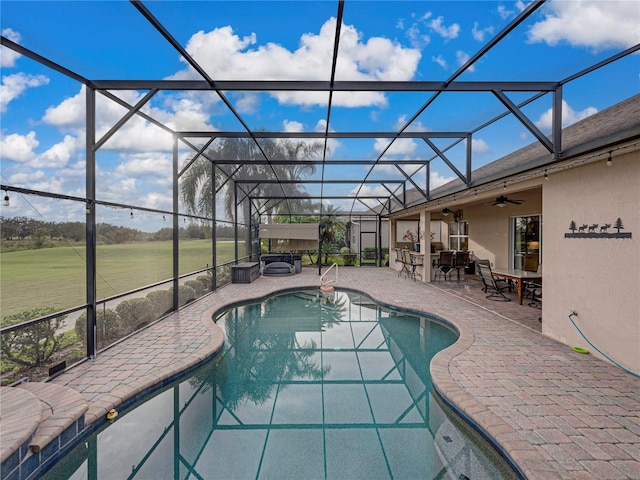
55, 277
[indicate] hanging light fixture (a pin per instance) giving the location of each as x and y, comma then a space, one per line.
6, 201
446, 212
132, 213
546, 177
609, 160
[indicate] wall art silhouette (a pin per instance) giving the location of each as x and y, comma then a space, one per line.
591, 231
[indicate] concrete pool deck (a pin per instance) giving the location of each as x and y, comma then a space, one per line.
556, 413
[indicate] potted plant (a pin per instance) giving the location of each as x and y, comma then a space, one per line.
412, 237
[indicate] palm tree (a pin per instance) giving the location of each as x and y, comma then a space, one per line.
197, 185
333, 232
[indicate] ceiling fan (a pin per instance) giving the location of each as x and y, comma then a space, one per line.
501, 201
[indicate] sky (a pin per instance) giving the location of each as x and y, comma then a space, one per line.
42, 143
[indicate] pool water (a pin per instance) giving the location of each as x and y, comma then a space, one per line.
309, 386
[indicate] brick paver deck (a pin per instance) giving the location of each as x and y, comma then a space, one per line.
556, 413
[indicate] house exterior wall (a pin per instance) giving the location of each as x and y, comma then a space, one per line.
597, 277
489, 226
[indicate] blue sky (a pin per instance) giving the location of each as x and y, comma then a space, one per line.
42, 124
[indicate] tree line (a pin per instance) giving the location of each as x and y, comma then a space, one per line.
41, 233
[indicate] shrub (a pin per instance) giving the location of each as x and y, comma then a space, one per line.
197, 286
135, 313
108, 326
206, 280
369, 253
348, 257
161, 302
35, 344
186, 294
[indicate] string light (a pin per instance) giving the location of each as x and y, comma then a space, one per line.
132, 213
546, 177
7, 201
609, 160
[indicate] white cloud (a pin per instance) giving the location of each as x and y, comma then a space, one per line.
145, 164
68, 113
248, 103
401, 147
27, 178
13, 85
333, 144
447, 33
368, 191
293, 126
440, 61
416, 126
436, 179
569, 116
19, 148
58, 155
414, 33
232, 57
594, 24
137, 134
8, 57
506, 13
416, 37
462, 58
479, 146
479, 33
156, 201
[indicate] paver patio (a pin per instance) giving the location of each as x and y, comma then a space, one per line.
556, 413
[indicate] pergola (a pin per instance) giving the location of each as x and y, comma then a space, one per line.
382, 186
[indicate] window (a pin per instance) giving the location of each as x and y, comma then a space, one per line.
459, 236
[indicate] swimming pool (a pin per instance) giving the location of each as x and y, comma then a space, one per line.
309, 385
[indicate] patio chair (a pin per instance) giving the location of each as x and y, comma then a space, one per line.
492, 285
461, 261
415, 262
445, 265
406, 261
535, 290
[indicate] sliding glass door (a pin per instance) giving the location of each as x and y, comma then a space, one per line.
526, 235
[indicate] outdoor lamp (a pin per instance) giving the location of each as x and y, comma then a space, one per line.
446, 212
6, 202
609, 160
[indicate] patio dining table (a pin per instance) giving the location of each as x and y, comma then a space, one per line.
520, 276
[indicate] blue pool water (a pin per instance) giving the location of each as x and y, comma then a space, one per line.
309, 386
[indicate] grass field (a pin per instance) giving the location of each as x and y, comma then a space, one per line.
55, 277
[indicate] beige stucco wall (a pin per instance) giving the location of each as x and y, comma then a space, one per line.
489, 225
598, 278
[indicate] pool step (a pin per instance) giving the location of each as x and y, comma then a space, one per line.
62, 407
37, 421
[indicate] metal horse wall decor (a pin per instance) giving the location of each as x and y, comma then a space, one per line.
595, 230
